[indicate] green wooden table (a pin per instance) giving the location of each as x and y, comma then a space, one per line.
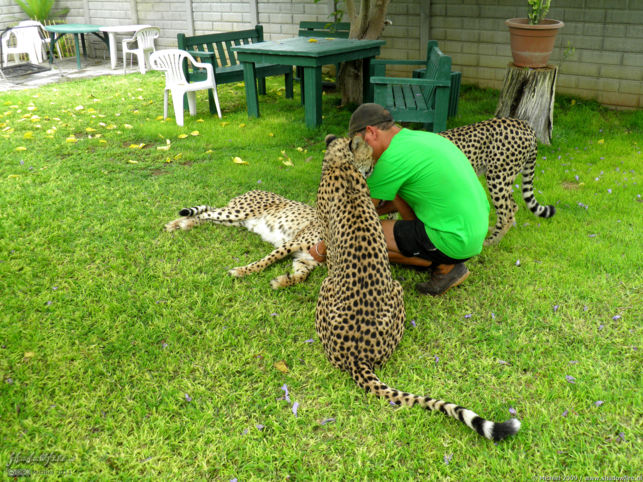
310, 55
75, 29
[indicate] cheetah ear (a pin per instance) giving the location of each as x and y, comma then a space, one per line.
356, 143
330, 138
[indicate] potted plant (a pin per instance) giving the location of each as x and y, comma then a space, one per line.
532, 38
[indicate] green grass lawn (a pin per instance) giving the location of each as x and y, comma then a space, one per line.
128, 352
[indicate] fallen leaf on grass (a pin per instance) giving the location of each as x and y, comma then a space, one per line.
21, 148
238, 160
282, 367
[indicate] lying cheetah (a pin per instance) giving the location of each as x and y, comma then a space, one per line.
289, 225
360, 309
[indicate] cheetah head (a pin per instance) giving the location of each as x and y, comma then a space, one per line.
355, 150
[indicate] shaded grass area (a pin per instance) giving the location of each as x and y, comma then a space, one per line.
129, 352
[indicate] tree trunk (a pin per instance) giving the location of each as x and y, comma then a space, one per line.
528, 94
368, 23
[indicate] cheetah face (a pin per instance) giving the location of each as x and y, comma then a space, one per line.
355, 150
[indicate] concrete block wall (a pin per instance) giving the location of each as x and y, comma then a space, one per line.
607, 35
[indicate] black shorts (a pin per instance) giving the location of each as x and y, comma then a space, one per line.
413, 242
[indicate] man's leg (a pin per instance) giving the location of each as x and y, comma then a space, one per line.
394, 254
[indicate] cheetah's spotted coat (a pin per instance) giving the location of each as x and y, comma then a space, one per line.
360, 308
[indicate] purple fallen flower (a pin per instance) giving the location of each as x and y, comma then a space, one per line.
600, 327
286, 395
295, 406
616, 317
502, 362
436, 358
517, 262
493, 315
555, 308
570, 379
188, 398
565, 413
591, 236
621, 436
573, 362
233, 480
273, 314
468, 316
598, 403
413, 323
245, 431
48, 303
576, 177
392, 404
609, 191
54, 288
585, 308
447, 458
310, 340
327, 420
260, 427
164, 345
259, 181
512, 411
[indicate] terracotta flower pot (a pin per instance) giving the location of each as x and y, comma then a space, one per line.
531, 45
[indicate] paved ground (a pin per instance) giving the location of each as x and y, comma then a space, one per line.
62, 71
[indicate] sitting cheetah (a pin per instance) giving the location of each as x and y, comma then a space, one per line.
289, 225
501, 149
360, 309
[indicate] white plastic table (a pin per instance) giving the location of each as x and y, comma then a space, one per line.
120, 29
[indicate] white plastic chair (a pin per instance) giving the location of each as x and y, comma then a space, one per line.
144, 38
171, 61
29, 37
23, 39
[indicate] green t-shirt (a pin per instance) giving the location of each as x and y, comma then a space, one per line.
437, 181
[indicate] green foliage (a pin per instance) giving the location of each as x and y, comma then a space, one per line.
537, 10
40, 9
130, 354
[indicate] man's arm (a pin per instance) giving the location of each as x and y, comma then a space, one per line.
396, 205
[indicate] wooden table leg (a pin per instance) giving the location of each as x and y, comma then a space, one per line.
367, 88
313, 96
250, 79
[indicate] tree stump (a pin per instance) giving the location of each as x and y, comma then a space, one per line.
528, 94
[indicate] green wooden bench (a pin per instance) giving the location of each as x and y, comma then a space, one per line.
216, 49
323, 30
423, 98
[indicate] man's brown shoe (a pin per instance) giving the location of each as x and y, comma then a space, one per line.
441, 283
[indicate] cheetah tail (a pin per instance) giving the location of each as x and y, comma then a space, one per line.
366, 378
195, 210
528, 191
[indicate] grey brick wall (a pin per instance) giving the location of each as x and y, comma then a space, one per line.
607, 35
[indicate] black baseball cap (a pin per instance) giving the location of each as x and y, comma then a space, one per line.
367, 115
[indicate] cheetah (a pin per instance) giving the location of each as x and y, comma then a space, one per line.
360, 309
502, 148
290, 226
